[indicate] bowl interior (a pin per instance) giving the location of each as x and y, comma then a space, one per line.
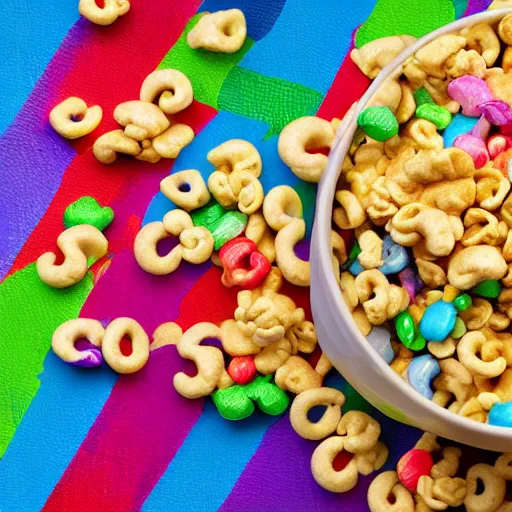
323, 221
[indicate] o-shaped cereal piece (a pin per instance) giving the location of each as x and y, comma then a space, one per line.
360, 432
300, 135
106, 147
323, 471
221, 31
494, 489
186, 189
170, 143
294, 269
114, 333
172, 88
326, 425
281, 206
65, 336
382, 487
235, 155
77, 243
73, 119
145, 250
475, 264
141, 119
503, 466
350, 213
103, 16
469, 346
505, 29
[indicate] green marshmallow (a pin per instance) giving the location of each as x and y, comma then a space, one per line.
270, 398
405, 328
459, 330
230, 226
436, 114
422, 96
237, 402
489, 288
87, 210
232, 403
224, 225
462, 302
419, 343
378, 123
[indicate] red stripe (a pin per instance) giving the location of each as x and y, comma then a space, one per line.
109, 69
348, 86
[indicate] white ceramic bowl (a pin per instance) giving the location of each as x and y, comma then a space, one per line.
339, 336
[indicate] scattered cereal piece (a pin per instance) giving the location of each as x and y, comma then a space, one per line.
78, 244
103, 15
459, 330
221, 31
73, 119
270, 399
87, 210
223, 225
65, 336
242, 369
414, 464
232, 403
186, 189
243, 264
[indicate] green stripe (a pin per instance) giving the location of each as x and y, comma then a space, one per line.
272, 100
29, 313
413, 17
206, 70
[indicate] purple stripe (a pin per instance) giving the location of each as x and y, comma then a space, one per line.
283, 475
33, 156
475, 6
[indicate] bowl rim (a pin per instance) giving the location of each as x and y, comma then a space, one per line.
323, 222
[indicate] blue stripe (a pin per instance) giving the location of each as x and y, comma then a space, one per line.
209, 462
260, 15
300, 47
223, 127
50, 433
31, 33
